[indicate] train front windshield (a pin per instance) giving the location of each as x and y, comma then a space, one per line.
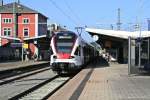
64, 42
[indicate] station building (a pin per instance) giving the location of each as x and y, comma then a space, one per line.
116, 43
24, 23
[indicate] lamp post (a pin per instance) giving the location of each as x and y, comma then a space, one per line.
139, 65
138, 28
22, 52
139, 44
14, 19
16, 8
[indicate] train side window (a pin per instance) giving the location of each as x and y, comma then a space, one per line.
77, 52
51, 51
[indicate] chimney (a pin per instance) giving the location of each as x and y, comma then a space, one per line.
1, 2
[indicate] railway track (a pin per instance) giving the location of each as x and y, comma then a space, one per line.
21, 70
11, 87
44, 90
23, 75
38, 84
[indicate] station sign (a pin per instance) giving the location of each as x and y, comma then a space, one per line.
139, 40
25, 45
16, 45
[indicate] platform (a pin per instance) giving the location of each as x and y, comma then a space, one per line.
105, 83
19, 64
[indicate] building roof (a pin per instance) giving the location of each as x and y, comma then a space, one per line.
17, 8
119, 34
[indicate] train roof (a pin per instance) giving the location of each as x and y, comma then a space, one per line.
92, 44
64, 31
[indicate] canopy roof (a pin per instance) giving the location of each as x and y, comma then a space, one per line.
10, 38
28, 38
32, 38
119, 34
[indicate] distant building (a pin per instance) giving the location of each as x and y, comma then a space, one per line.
19, 21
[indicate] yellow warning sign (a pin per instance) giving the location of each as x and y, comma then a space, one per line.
25, 45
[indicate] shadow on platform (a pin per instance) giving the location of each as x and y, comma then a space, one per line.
99, 63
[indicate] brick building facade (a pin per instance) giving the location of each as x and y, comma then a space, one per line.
19, 21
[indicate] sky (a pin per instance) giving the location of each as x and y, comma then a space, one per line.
91, 13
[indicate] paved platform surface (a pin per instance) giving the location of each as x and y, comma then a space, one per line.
19, 64
105, 83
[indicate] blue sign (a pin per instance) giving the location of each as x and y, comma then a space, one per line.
16, 45
139, 40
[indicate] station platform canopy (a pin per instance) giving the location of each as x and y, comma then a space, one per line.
118, 33
9, 38
25, 39
38, 37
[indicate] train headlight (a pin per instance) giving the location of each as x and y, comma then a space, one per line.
54, 57
71, 57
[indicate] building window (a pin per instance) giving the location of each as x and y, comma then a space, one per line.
7, 31
25, 20
26, 32
7, 20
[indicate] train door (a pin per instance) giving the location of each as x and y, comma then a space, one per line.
78, 54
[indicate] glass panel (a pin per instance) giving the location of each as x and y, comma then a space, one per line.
8, 33
5, 33
64, 49
26, 32
25, 20
64, 42
9, 20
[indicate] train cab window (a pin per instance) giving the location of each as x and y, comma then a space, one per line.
64, 42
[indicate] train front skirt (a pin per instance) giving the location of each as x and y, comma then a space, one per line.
65, 67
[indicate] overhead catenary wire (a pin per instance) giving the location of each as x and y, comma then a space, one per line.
73, 12
65, 14
143, 4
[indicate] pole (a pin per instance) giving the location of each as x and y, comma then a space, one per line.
14, 15
129, 55
18, 1
22, 52
119, 22
79, 32
139, 65
148, 49
139, 54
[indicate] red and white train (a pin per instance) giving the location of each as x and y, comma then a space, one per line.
70, 52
